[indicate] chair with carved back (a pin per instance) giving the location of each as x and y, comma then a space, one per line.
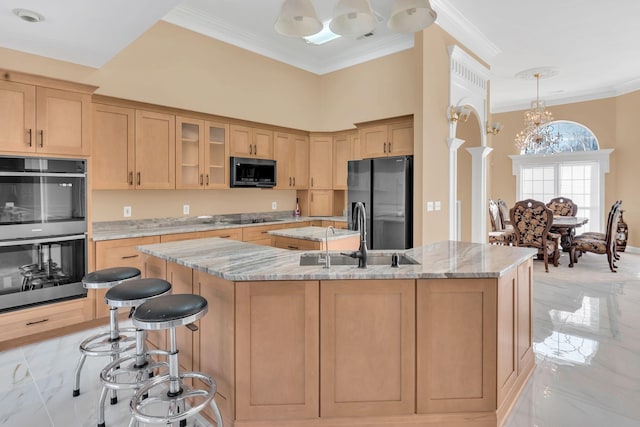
603, 236
504, 214
532, 221
498, 235
562, 206
593, 243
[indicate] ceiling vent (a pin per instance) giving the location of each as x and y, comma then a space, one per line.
28, 15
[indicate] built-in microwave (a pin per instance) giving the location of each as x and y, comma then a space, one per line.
247, 172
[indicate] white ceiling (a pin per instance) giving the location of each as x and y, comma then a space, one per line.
595, 47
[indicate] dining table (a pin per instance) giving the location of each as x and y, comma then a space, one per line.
566, 227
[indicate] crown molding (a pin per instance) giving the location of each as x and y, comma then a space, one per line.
203, 23
455, 23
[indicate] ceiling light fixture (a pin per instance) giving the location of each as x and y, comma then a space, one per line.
298, 18
353, 18
460, 113
409, 16
324, 36
537, 135
28, 15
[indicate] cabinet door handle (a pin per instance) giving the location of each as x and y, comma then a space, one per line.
41, 138
385, 147
294, 181
139, 178
389, 146
250, 149
206, 179
292, 247
289, 181
312, 181
226, 236
36, 322
201, 179
129, 256
255, 149
130, 178
30, 138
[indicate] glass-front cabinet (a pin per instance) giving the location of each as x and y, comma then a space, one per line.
201, 154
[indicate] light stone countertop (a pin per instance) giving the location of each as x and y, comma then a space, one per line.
160, 226
316, 234
241, 261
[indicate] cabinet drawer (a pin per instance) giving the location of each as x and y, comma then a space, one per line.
250, 234
296, 244
44, 318
121, 252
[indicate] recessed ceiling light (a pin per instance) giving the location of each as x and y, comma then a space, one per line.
28, 15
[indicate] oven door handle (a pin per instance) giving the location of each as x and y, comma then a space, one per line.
51, 239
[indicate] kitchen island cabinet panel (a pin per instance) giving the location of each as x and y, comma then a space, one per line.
181, 279
525, 326
367, 348
277, 327
456, 345
507, 329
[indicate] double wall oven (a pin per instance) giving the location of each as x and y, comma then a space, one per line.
43, 230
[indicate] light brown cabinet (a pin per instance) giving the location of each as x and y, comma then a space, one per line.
113, 147
201, 154
44, 120
247, 141
292, 156
320, 203
320, 162
155, 150
181, 279
341, 154
387, 139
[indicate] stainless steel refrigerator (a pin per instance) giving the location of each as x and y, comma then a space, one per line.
385, 186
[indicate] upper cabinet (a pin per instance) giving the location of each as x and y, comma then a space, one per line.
201, 154
44, 116
246, 141
320, 162
341, 155
292, 156
388, 138
155, 150
113, 147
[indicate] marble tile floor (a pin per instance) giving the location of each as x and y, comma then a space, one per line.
586, 341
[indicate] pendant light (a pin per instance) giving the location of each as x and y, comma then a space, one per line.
409, 16
297, 18
353, 18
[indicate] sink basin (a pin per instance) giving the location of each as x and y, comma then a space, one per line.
317, 258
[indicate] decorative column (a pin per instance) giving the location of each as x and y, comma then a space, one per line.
454, 144
479, 193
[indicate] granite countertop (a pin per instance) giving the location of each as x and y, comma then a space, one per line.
317, 234
240, 261
110, 230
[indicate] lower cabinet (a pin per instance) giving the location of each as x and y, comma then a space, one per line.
367, 348
277, 378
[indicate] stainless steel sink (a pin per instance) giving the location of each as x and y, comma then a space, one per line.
317, 258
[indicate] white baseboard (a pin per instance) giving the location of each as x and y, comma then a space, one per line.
632, 250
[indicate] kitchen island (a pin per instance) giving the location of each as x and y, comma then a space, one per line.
445, 341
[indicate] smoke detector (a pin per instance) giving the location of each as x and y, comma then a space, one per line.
28, 15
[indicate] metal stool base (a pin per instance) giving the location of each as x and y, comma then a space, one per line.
186, 403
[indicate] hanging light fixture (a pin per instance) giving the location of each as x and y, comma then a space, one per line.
409, 16
353, 18
537, 135
298, 18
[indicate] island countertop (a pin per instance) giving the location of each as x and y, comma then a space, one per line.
317, 234
240, 261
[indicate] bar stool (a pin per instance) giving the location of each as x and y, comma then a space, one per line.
114, 341
130, 371
169, 394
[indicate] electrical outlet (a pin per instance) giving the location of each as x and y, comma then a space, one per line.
274, 205
436, 205
185, 209
127, 211
429, 206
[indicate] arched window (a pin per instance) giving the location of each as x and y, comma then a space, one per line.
573, 168
572, 137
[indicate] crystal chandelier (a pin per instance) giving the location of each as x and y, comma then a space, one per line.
537, 136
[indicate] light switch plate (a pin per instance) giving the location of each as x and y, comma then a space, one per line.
274, 205
437, 205
429, 206
185, 209
126, 211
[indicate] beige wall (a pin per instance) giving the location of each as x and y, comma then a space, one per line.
468, 131
613, 122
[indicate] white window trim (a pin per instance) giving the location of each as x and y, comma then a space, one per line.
529, 160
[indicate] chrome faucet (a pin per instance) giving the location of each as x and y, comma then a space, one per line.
327, 258
361, 225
